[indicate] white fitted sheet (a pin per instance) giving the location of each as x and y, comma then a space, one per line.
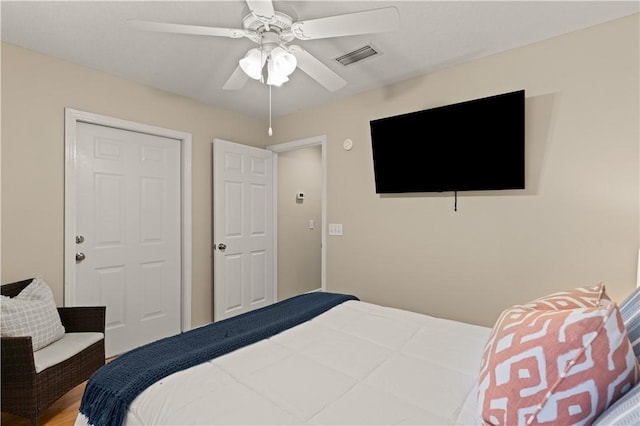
358, 363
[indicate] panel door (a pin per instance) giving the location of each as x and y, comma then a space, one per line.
243, 228
129, 224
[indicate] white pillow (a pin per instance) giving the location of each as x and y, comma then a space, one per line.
32, 313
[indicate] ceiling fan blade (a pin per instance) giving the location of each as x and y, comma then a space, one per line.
237, 80
263, 10
365, 22
164, 27
317, 70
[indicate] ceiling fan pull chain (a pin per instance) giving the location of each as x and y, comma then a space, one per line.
270, 129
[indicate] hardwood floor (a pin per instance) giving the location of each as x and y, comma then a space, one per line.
63, 412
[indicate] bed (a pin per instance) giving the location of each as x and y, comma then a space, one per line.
353, 363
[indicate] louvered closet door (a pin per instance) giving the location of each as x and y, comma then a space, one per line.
128, 213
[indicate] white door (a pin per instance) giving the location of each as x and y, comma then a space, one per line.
129, 231
242, 228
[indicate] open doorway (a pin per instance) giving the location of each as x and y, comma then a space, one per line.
301, 193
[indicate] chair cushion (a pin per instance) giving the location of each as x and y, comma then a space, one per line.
65, 348
32, 313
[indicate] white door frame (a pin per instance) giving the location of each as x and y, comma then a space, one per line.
289, 146
72, 118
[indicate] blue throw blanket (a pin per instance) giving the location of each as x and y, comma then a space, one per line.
113, 387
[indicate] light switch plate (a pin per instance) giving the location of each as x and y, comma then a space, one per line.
335, 229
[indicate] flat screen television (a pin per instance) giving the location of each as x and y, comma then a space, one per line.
469, 146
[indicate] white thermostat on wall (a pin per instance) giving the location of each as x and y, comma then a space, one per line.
347, 144
299, 196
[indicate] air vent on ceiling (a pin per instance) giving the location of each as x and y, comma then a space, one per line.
358, 55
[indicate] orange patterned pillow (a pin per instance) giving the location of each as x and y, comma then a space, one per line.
555, 366
581, 297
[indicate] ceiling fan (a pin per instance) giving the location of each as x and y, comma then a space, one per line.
273, 31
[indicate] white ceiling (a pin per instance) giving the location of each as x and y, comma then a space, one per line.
432, 35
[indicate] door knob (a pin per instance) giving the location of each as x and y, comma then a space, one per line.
80, 257
222, 246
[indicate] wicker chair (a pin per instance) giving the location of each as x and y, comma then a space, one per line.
27, 393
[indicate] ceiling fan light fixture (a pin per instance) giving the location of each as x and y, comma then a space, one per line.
283, 62
253, 62
275, 76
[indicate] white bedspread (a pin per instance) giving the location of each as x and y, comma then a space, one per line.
358, 363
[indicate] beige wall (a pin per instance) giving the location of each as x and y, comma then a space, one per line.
299, 248
35, 91
575, 224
